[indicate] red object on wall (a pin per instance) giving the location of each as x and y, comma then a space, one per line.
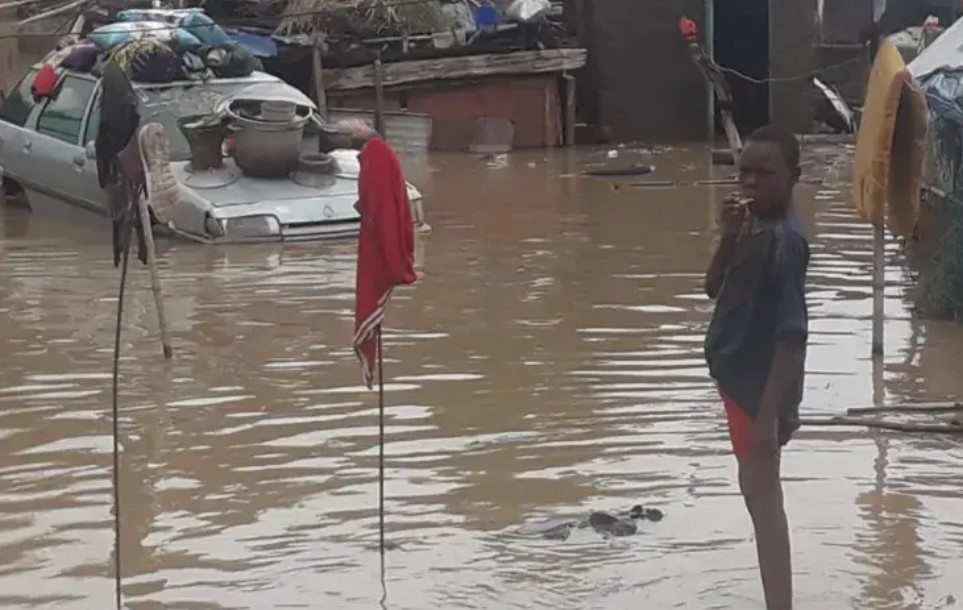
688, 27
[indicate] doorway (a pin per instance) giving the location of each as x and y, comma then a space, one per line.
740, 32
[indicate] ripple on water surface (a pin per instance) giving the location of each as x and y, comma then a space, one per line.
541, 367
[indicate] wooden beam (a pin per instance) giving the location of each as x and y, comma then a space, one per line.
454, 68
320, 98
569, 109
379, 74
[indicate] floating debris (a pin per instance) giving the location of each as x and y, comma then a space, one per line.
606, 524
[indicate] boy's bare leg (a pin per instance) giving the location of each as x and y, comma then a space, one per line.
762, 489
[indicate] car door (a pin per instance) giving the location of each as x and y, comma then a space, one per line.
90, 186
15, 111
59, 165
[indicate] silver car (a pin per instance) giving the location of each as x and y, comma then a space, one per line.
47, 154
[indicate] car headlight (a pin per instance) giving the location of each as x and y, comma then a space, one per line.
251, 226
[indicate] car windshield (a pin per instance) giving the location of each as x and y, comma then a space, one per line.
165, 105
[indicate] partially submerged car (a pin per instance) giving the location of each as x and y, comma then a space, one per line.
47, 155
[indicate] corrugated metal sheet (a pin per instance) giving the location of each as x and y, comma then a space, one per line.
405, 131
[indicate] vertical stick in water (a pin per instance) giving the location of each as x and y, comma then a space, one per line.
154, 277
115, 411
879, 283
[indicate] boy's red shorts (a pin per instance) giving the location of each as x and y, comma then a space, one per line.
740, 426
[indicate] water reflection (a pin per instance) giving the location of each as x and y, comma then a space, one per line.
548, 361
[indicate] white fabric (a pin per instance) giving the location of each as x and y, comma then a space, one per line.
946, 52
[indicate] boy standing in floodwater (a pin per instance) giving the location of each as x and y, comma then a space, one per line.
756, 343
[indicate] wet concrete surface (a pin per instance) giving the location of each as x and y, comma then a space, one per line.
547, 363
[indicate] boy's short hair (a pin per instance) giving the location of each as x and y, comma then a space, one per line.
782, 138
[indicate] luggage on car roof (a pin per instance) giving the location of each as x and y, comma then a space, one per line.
230, 60
148, 60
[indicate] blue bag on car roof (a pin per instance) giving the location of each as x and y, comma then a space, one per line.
204, 28
112, 35
82, 57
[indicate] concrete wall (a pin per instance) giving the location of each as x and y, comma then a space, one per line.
792, 52
9, 50
645, 87
641, 75
844, 20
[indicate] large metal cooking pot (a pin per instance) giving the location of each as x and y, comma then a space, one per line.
265, 149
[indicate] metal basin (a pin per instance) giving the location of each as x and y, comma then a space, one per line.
266, 149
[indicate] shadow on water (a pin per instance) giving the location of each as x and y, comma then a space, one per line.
548, 361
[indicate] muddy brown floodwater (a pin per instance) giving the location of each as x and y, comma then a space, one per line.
549, 361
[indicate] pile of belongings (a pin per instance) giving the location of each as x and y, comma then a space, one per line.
158, 46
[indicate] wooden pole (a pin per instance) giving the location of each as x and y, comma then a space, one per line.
930, 408
154, 277
879, 282
867, 422
319, 96
711, 73
569, 109
379, 96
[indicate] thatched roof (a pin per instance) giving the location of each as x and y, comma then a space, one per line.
362, 18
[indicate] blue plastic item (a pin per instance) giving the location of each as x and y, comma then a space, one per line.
111, 35
171, 16
258, 46
486, 16
132, 15
204, 28
186, 41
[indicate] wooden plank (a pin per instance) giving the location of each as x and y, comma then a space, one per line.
453, 68
950, 427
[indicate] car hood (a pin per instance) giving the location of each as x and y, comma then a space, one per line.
349, 167
232, 188
229, 187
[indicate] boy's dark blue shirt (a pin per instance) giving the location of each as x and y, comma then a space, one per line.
762, 301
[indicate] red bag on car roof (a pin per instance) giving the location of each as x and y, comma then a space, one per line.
44, 83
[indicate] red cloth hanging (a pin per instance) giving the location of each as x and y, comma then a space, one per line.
386, 246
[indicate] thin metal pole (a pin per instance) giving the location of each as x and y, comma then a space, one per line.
381, 462
879, 285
